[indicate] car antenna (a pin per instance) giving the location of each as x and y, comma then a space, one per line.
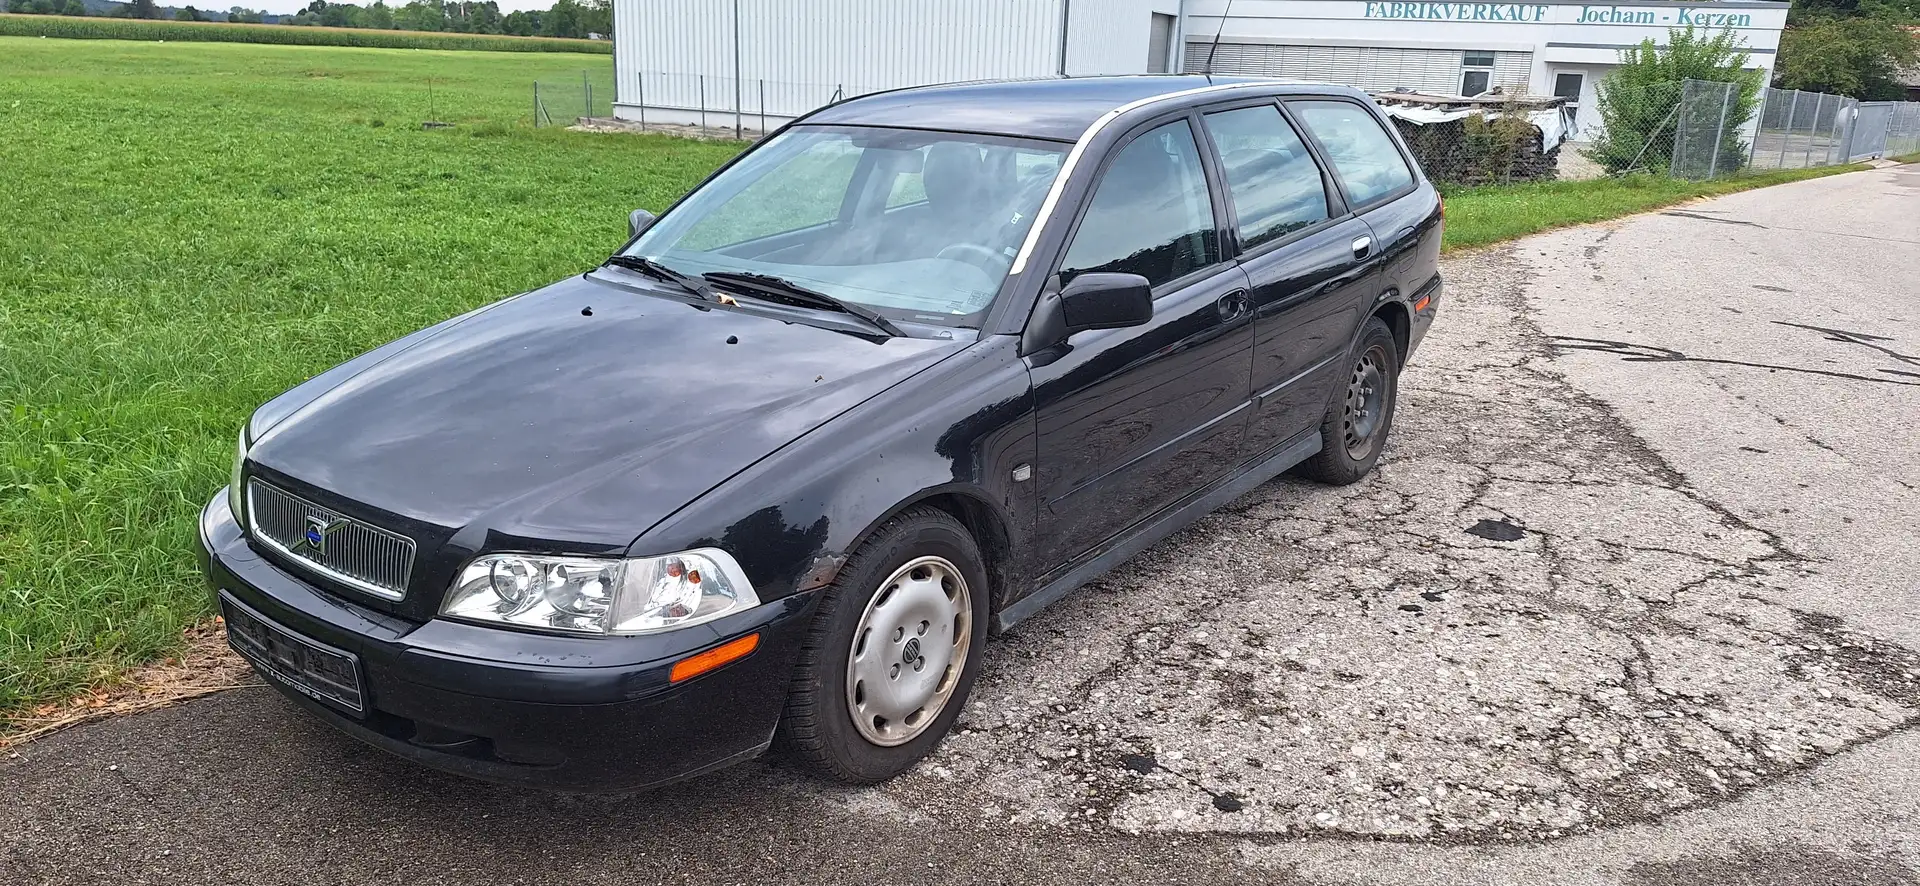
1208, 69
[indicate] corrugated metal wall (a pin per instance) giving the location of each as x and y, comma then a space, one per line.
680, 53
1368, 67
1109, 36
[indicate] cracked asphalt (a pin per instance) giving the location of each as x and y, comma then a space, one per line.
1629, 601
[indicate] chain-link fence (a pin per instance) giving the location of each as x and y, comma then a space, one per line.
687, 104
1798, 129
1633, 128
1481, 140
1886, 129
564, 98
714, 105
1702, 129
1903, 130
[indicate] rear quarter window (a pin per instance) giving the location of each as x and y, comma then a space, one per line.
1363, 155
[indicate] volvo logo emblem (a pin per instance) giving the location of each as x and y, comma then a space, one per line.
911, 653
315, 539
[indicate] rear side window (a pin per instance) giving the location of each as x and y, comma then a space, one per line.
1151, 214
1362, 153
1275, 185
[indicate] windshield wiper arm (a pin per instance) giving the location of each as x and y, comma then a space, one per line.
782, 289
664, 274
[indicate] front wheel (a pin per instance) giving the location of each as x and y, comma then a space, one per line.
1361, 412
892, 653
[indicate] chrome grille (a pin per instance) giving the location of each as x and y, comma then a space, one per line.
333, 544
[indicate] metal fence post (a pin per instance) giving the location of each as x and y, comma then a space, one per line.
1679, 123
1720, 132
763, 107
641, 78
1786, 134
1836, 134
703, 104
536, 104
736, 70
1813, 128
1853, 128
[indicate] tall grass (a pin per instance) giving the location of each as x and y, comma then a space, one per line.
96, 28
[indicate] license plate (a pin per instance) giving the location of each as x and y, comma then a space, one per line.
310, 667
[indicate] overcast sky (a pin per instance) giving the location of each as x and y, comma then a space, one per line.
288, 7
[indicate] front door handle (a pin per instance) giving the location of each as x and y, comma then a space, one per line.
1234, 305
1362, 247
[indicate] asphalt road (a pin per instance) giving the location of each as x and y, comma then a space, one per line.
1630, 601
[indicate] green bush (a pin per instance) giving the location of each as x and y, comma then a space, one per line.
224, 32
1640, 99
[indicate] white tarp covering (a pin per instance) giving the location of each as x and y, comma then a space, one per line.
1551, 122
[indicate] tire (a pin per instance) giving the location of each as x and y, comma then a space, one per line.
849, 716
1360, 412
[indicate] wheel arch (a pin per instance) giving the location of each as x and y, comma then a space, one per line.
1399, 321
983, 520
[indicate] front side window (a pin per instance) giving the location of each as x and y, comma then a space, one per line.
1151, 214
1272, 179
921, 226
1363, 154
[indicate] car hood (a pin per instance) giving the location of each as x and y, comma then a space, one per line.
583, 412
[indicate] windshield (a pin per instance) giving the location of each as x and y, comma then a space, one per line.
920, 226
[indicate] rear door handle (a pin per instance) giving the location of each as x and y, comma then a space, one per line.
1362, 247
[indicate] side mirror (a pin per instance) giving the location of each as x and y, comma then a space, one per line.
1106, 301
638, 221
1089, 301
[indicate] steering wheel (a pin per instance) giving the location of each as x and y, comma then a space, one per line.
979, 256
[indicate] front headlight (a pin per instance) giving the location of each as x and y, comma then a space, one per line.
591, 595
236, 498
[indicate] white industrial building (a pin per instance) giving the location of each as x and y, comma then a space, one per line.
689, 61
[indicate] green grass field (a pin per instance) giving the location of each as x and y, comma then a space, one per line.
191, 228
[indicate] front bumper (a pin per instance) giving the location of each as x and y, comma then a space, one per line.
565, 713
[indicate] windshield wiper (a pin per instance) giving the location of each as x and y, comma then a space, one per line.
664, 274
781, 289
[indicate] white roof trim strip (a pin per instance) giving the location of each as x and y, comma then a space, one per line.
1068, 165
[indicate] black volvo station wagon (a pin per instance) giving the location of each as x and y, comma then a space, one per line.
899, 376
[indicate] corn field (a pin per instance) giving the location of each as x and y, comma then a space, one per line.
98, 28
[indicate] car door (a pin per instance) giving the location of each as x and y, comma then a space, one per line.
1378, 182
1308, 261
1132, 420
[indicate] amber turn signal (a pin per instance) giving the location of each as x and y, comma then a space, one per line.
730, 651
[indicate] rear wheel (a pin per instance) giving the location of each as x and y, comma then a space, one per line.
1360, 416
893, 651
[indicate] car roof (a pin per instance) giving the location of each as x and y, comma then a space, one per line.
1060, 108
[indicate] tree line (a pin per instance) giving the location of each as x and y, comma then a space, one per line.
1858, 48
566, 18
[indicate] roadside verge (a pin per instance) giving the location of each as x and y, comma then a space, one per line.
1489, 214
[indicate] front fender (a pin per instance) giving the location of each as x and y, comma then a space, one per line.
958, 429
